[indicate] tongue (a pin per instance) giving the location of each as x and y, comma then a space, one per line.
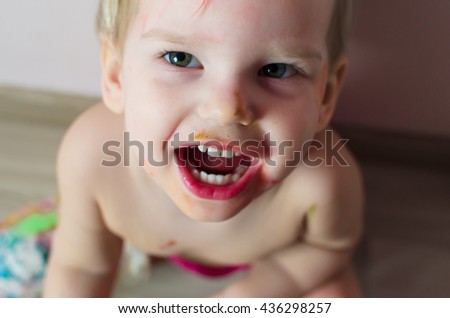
216, 165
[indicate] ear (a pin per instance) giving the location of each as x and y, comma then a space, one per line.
336, 77
112, 80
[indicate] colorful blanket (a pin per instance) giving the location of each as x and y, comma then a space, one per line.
25, 238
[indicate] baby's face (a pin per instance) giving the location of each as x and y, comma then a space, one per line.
224, 71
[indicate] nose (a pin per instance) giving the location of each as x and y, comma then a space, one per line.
227, 106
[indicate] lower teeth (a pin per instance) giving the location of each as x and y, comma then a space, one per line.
219, 179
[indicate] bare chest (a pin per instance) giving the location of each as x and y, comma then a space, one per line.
160, 229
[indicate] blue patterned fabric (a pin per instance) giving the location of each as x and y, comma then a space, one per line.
22, 264
25, 240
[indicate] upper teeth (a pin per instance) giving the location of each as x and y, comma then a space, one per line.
214, 152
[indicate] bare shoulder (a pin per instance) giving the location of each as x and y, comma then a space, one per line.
82, 240
329, 190
80, 174
81, 151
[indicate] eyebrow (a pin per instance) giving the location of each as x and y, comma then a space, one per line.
304, 52
166, 35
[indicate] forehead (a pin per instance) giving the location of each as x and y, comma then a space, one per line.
219, 19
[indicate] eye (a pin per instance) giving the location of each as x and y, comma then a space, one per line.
182, 59
278, 70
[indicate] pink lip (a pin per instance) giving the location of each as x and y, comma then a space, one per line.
213, 192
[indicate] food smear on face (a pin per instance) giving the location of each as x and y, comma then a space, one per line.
201, 135
239, 108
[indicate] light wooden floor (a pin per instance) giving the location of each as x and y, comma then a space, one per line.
406, 252
31, 127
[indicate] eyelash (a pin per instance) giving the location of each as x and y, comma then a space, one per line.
162, 53
300, 71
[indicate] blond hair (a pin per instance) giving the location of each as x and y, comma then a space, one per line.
114, 16
339, 29
113, 20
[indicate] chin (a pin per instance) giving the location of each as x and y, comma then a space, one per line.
211, 210
205, 214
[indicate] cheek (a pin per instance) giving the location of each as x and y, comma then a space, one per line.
296, 120
150, 105
290, 126
145, 133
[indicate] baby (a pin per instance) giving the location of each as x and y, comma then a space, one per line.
202, 151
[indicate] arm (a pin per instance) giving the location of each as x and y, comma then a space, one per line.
291, 272
85, 254
83, 259
331, 234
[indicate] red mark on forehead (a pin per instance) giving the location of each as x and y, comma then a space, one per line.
143, 19
202, 7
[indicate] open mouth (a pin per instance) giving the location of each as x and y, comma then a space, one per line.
214, 173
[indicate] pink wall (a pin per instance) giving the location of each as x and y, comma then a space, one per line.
399, 77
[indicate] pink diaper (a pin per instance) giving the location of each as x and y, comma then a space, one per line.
204, 270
